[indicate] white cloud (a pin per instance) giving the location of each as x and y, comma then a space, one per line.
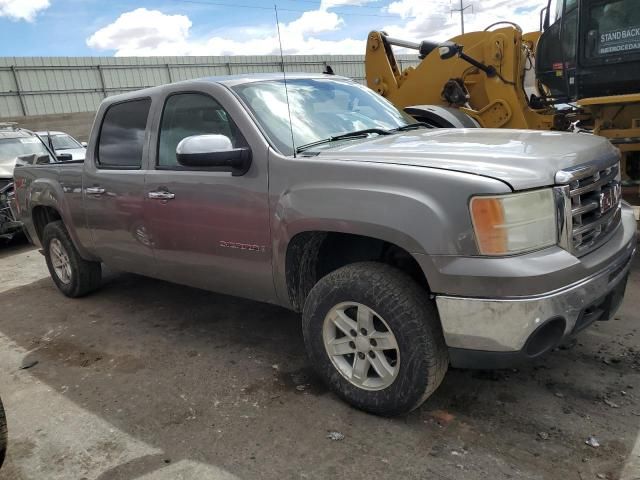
143, 32
22, 9
152, 32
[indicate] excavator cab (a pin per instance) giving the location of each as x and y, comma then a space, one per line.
599, 52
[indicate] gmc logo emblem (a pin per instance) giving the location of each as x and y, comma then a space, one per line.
609, 198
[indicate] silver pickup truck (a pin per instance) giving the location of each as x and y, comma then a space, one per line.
407, 249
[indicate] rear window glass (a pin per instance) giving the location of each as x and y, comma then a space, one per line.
122, 134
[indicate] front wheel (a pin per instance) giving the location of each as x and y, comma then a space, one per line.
375, 338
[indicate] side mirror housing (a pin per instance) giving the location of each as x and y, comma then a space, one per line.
213, 151
84, 144
448, 50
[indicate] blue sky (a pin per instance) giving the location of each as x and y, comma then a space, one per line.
204, 27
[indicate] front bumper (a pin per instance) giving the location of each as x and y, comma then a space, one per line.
499, 332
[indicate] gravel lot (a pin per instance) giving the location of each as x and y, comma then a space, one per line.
149, 380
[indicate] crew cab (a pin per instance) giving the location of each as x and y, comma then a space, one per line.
406, 248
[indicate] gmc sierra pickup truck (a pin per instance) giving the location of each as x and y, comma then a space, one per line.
406, 249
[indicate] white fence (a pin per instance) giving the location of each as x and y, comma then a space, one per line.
56, 85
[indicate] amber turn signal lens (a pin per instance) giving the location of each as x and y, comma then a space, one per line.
488, 218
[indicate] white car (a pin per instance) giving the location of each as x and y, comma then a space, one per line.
61, 142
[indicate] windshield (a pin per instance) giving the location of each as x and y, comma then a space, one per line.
12, 148
62, 142
613, 28
320, 108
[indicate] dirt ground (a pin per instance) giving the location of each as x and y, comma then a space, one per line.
149, 380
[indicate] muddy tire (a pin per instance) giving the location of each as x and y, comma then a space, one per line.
73, 275
375, 338
3, 434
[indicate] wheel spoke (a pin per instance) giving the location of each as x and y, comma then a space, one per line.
60, 261
384, 341
339, 346
343, 322
360, 369
381, 365
365, 319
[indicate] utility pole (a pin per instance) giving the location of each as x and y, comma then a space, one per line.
461, 10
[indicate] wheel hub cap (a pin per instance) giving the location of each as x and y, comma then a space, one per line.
361, 346
60, 261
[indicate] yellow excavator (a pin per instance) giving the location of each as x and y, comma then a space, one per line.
580, 72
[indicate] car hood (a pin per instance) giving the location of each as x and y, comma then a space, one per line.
522, 158
6, 167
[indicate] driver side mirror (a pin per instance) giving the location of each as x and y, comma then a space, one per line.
213, 151
448, 50
84, 144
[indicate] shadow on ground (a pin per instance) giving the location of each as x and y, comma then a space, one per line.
226, 382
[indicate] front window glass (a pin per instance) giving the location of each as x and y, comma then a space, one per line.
12, 148
320, 108
188, 114
613, 28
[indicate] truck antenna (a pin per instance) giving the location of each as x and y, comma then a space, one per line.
284, 77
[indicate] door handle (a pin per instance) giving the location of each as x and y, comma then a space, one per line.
95, 190
161, 195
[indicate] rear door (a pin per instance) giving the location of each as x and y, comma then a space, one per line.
113, 188
212, 229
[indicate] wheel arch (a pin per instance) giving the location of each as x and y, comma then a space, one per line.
313, 254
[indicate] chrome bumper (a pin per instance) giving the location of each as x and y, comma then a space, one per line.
505, 325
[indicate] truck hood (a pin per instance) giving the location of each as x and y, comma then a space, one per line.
522, 158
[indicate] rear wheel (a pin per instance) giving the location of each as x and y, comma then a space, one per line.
374, 336
73, 275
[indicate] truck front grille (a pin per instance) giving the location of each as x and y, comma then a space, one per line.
592, 205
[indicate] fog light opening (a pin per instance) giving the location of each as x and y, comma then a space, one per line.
545, 337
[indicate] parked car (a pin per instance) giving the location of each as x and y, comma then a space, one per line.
15, 144
60, 142
406, 249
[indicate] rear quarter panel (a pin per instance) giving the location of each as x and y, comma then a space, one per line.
58, 186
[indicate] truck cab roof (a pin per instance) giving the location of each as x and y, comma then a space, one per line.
226, 80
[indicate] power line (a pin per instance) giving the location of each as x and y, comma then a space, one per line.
257, 7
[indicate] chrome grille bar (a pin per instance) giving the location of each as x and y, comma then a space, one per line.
589, 202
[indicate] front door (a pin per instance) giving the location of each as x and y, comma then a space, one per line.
113, 188
209, 229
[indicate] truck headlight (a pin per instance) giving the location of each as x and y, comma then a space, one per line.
514, 223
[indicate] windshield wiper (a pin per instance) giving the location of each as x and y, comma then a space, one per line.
356, 134
412, 126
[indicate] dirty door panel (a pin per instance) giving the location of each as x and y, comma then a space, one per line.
214, 231
114, 189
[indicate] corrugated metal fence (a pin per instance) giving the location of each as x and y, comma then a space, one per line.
56, 85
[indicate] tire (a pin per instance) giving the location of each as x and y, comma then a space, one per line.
3, 434
79, 276
417, 361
